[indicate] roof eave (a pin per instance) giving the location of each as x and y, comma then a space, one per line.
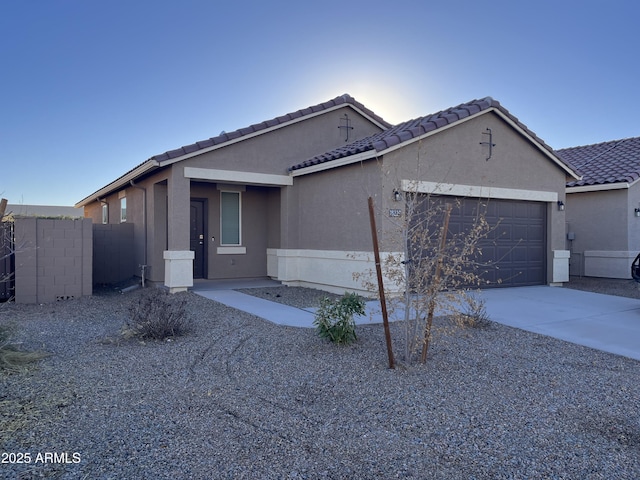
341, 162
600, 187
119, 183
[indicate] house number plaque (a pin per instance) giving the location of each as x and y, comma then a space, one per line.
395, 212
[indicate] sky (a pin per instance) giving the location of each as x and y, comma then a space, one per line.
92, 88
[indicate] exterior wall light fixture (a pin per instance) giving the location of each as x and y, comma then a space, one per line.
560, 205
397, 196
637, 212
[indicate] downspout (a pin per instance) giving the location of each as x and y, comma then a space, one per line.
144, 225
102, 201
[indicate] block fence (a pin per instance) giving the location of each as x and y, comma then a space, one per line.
53, 259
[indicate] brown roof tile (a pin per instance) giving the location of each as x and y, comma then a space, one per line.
414, 128
616, 161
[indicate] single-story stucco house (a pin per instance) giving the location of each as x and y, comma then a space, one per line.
287, 198
603, 208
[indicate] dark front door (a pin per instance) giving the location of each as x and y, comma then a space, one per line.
198, 238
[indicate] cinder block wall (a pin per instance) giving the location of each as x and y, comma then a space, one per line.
113, 259
53, 259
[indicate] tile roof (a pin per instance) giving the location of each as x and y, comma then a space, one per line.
225, 137
414, 128
155, 161
616, 161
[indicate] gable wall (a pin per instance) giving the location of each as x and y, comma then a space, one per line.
456, 156
276, 151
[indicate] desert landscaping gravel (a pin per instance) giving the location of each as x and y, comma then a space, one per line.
239, 397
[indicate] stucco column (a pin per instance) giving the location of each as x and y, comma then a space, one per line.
178, 267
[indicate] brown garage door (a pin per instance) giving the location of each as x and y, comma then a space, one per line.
514, 253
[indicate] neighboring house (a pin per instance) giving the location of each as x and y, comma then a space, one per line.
43, 211
287, 198
603, 208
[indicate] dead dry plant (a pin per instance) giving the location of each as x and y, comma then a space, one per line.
12, 357
439, 269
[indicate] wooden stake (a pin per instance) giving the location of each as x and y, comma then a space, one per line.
383, 301
436, 285
3, 208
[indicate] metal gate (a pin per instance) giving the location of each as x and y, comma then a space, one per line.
7, 261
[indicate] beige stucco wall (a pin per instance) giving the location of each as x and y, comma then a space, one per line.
598, 220
606, 231
276, 151
329, 209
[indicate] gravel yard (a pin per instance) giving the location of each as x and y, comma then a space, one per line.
239, 397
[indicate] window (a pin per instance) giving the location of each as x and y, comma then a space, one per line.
230, 218
105, 213
123, 209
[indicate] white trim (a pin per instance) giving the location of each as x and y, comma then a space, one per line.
608, 263
560, 266
598, 188
329, 270
231, 250
358, 157
237, 176
178, 269
477, 191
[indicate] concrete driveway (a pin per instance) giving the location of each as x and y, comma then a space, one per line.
604, 322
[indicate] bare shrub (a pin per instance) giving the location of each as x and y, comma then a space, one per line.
157, 315
474, 313
438, 269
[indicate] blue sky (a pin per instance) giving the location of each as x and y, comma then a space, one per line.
92, 88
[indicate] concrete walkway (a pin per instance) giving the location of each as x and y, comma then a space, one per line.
604, 322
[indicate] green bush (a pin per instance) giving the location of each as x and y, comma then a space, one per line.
334, 319
157, 315
12, 358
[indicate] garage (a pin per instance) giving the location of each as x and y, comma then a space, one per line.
514, 251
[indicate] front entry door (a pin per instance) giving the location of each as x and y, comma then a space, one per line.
198, 238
